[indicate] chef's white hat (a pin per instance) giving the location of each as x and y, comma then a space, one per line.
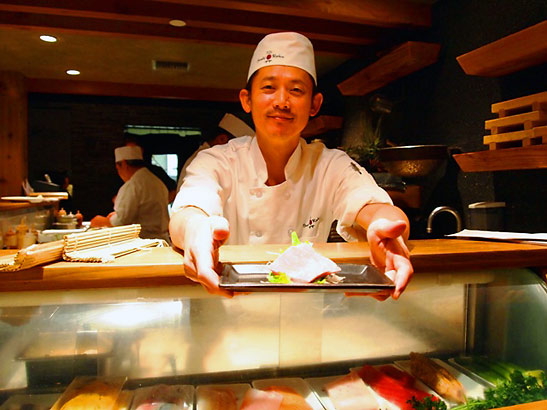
290, 49
127, 153
235, 126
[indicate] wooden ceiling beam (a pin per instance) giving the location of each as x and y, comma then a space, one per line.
55, 86
144, 29
367, 19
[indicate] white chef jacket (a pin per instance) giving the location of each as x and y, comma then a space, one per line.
322, 185
203, 146
143, 199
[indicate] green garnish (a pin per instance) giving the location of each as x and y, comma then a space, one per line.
278, 278
518, 389
427, 403
294, 239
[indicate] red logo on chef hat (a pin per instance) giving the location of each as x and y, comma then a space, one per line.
268, 57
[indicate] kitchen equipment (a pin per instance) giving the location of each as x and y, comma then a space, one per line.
411, 161
486, 216
441, 209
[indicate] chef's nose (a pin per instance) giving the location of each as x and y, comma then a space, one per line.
282, 99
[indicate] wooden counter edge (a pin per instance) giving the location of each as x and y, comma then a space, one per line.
426, 256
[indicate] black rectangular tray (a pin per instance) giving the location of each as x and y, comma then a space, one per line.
253, 277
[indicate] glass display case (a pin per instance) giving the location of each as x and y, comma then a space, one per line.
181, 335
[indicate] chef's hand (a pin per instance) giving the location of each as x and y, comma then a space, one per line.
389, 252
202, 237
100, 221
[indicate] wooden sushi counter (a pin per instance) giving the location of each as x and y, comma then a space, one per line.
163, 266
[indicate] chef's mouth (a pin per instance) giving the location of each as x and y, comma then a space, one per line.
281, 116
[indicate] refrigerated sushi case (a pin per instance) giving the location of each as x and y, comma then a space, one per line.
181, 335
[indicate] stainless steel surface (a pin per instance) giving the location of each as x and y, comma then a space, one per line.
186, 339
439, 210
411, 161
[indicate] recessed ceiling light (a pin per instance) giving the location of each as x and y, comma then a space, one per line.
72, 72
177, 23
48, 39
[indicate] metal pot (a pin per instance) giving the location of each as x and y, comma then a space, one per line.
411, 161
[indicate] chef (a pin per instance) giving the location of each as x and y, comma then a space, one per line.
142, 199
258, 189
229, 127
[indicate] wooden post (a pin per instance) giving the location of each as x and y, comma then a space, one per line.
13, 132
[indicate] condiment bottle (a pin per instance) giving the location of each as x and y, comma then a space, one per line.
21, 230
61, 212
11, 239
79, 218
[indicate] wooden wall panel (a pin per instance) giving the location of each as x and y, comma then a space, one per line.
13, 132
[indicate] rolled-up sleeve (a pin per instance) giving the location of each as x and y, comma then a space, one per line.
355, 189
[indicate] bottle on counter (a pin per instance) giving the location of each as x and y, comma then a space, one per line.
10, 239
61, 212
21, 232
79, 219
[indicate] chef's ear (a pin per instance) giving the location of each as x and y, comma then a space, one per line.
245, 99
316, 102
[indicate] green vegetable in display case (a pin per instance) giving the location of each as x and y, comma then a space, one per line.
427, 403
518, 389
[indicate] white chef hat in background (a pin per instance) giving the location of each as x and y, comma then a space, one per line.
235, 126
127, 153
288, 48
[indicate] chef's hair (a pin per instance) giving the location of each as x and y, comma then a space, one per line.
135, 162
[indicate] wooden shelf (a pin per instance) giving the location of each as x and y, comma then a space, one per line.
530, 157
402, 61
322, 124
523, 49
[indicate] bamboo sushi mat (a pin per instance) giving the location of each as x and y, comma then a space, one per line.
100, 246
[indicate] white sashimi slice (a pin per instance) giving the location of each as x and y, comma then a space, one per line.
261, 400
303, 264
349, 392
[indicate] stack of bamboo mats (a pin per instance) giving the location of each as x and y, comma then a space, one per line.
101, 245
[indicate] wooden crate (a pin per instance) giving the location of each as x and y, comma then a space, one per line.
521, 122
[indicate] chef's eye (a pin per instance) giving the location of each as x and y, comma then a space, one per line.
297, 90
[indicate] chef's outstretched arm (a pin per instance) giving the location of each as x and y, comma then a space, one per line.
387, 230
200, 236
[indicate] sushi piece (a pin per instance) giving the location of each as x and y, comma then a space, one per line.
301, 263
291, 399
350, 393
437, 377
255, 399
216, 398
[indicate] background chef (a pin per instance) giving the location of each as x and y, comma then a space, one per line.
142, 199
259, 189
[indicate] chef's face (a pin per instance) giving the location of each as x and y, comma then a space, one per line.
281, 100
122, 169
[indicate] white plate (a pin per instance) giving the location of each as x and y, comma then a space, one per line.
417, 384
317, 383
472, 388
183, 392
239, 390
33, 199
297, 384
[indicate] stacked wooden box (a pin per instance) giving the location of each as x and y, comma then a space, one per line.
521, 122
